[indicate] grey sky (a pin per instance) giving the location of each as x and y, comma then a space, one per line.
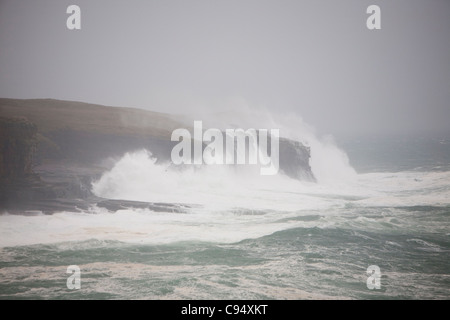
315, 58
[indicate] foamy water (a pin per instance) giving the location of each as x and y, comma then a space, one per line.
242, 235
227, 204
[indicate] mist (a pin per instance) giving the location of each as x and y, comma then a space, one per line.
314, 59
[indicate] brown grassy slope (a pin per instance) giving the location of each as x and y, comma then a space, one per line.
53, 115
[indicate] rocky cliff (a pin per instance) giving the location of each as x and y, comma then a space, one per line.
51, 150
18, 140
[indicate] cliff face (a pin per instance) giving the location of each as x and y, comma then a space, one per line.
18, 142
17, 148
51, 150
74, 132
294, 160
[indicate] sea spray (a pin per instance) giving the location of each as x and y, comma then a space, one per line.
329, 163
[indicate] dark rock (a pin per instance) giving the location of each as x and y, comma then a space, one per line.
294, 160
17, 148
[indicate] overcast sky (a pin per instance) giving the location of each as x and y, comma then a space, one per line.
315, 58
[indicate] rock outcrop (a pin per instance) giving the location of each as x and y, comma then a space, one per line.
294, 160
18, 142
51, 150
17, 147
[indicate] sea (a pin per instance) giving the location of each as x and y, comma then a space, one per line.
229, 233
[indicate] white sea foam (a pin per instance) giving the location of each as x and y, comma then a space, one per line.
232, 203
